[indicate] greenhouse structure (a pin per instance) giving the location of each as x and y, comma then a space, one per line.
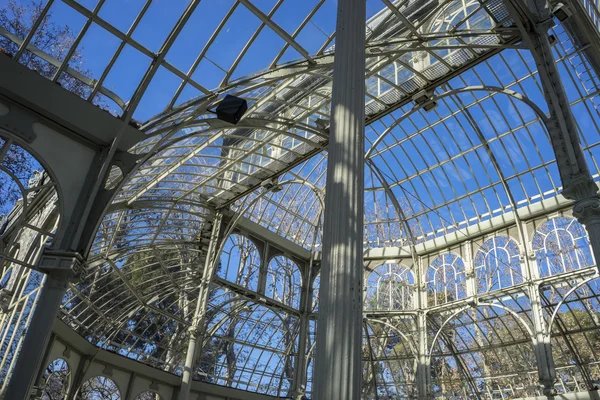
299, 199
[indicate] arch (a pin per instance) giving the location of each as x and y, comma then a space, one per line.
284, 281
451, 16
240, 261
299, 225
485, 88
391, 365
56, 380
446, 281
561, 245
566, 297
148, 395
237, 305
222, 316
490, 345
397, 206
246, 339
390, 287
99, 388
24, 231
497, 264
405, 337
22, 178
574, 330
462, 309
25, 166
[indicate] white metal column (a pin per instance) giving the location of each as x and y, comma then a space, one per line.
423, 361
196, 328
60, 268
299, 388
534, 19
338, 370
60, 263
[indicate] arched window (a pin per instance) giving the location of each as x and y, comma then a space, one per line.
446, 279
561, 245
99, 388
56, 380
390, 287
284, 282
148, 395
240, 262
497, 264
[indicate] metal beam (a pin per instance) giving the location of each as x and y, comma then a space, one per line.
79, 120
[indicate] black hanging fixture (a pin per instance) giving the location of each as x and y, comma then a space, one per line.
231, 109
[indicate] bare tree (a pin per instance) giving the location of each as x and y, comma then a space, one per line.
56, 380
19, 163
51, 38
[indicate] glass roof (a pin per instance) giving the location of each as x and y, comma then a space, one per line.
167, 65
481, 156
200, 160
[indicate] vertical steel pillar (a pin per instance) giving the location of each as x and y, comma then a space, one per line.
128, 392
541, 340
534, 19
72, 240
60, 267
543, 347
423, 362
263, 269
338, 369
299, 388
423, 367
196, 333
578, 185
77, 376
471, 282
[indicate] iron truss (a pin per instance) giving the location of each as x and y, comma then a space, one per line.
472, 261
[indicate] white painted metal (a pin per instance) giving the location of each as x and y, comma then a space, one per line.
425, 212
338, 367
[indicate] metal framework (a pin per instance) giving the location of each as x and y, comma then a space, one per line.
183, 254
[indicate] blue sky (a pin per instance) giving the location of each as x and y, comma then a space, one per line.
413, 168
456, 178
98, 45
